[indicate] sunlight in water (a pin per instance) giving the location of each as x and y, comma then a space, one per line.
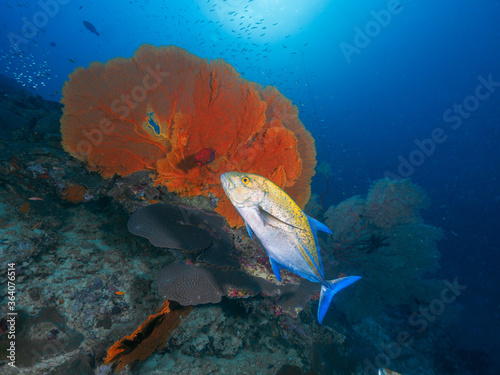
261, 20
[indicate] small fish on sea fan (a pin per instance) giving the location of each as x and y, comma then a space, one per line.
188, 121
205, 156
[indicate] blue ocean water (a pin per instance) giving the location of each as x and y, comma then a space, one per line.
407, 88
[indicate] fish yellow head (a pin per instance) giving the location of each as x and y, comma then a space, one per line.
244, 189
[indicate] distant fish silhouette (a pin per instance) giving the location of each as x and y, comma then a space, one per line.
90, 27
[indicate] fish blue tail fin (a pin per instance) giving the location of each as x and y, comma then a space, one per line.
327, 293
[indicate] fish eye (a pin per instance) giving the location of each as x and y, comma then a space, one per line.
245, 180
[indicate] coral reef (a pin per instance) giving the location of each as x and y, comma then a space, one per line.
361, 226
44, 334
384, 238
159, 109
224, 339
83, 281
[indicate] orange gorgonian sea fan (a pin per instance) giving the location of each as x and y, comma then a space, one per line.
161, 108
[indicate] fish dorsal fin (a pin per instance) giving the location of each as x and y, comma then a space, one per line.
272, 220
316, 225
276, 269
249, 230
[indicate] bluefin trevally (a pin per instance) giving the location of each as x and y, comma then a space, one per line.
286, 232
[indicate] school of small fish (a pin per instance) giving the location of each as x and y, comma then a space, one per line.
236, 31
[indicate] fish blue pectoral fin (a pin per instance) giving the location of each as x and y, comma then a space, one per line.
249, 230
316, 225
276, 269
327, 293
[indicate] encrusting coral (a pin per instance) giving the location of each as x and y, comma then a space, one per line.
160, 108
